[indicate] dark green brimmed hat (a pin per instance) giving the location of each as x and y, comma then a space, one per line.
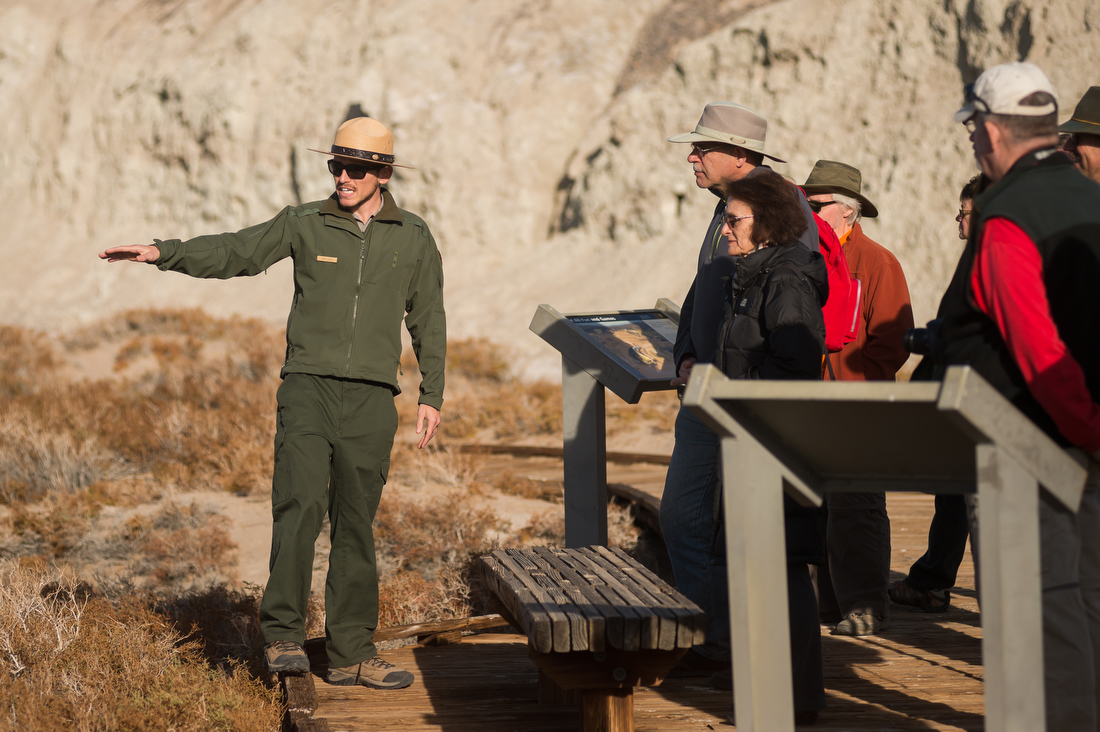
1086, 116
829, 176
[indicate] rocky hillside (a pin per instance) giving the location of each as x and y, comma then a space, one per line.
537, 127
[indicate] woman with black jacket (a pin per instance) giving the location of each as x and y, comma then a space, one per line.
773, 329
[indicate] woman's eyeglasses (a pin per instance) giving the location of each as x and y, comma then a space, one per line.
355, 172
731, 221
963, 213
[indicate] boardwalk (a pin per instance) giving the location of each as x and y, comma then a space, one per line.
923, 674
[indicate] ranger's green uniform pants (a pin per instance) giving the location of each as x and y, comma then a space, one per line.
332, 452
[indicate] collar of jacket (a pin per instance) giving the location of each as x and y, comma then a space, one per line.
387, 212
1043, 157
751, 266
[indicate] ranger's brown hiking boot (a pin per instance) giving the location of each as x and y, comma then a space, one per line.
286, 657
374, 673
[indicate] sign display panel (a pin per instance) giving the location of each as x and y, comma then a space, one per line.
627, 351
643, 340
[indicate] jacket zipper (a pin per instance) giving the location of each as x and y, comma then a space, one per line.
355, 303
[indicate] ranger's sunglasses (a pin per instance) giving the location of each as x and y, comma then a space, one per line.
355, 172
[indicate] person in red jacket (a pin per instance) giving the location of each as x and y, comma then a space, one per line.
1023, 310
853, 584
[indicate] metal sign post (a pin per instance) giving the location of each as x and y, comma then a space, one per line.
626, 351
806, 437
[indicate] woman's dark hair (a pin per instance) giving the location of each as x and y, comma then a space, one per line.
973, 187
777, 215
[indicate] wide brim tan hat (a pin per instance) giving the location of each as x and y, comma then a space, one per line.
732, 124
1086, 116
829, 176
363, 140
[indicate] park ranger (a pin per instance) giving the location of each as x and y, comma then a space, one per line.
361, 265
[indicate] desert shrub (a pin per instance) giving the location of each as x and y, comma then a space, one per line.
195, 420
548, 528
435, 464
27, 359
658, 409
511, 484
223, 623
478, 359
70, 662
406, 597
36, 459
54, 526
426, 536
180, 546
506, 409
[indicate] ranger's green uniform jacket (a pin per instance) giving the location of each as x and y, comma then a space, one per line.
351, 288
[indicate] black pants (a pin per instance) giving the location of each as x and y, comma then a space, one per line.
807, 676
947, 535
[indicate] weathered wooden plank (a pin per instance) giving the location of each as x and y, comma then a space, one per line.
665, 628
479, 622
623, 620
520, 601
569, 626
648, 620
687, 614
591, 604
315, 647
544, 451
513, 560
301, 702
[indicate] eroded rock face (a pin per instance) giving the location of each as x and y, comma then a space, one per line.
537, 129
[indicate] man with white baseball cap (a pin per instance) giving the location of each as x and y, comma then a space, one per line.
1023, 310
727, 145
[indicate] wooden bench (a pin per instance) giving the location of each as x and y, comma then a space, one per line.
596, 621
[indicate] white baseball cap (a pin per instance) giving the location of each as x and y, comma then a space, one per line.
1004, 88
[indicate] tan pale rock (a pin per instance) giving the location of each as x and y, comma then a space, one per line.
537, 128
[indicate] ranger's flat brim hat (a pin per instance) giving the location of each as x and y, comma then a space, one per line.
829, 176
1086, 117
363, 140
732, 124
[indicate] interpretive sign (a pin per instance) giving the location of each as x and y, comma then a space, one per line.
642, 340
626, 351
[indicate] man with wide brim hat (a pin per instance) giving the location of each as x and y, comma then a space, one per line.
1083, 128
829, 176
852, 586
361, 267
726, 145
729, 123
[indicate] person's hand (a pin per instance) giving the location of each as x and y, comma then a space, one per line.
133, 252
684, 373
427, 421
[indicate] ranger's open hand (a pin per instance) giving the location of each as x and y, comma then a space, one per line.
133, 252
427, 420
